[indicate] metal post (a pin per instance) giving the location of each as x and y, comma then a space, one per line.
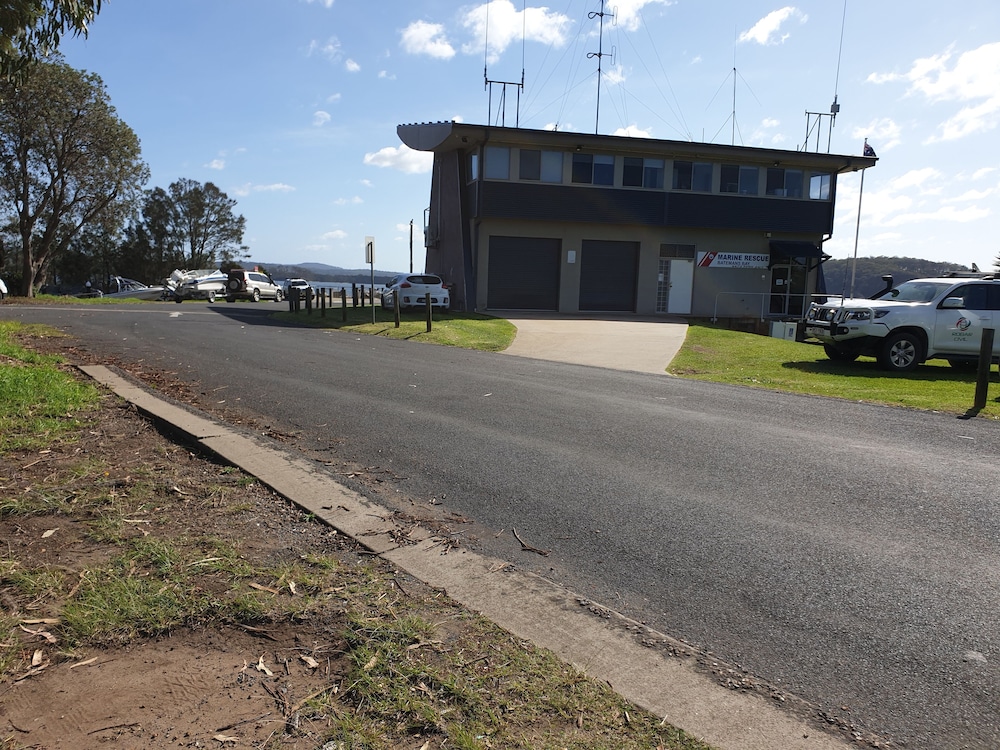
343, 303
983, 374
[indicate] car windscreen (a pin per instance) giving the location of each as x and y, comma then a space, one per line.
915, 291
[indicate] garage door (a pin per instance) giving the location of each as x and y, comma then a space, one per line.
608, 275
523, 273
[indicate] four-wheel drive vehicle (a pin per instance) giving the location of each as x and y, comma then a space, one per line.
413, 288
917, 320
255, 285
301, 284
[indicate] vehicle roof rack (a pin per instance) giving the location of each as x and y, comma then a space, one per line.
967, 275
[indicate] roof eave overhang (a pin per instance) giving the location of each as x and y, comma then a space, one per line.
451, 136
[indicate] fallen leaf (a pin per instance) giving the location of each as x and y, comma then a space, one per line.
42, 621
371, 663
41, 633
310, 662
262, 668
50, 532
263, 588
223, 738
38, 657
291, 587
91, 660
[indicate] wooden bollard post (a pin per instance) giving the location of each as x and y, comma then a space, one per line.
427, 304
343, 303
983, 374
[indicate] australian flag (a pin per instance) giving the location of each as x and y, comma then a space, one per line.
869, 151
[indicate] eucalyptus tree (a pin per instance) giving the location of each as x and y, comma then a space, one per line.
203, 218
31, 29
66, 162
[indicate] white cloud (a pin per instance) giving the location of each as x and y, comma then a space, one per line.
357, 200
403, 158
320, 118
507, 24
386, 75
633, 131
336, 234
615, 76
333, 98
367, 183
217, 164
973, 78
882, 133
983, 172
628, 13
330, 49
276, 187
422, 38
324, 3
351, 66
767, 31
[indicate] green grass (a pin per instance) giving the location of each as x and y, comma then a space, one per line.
464, 330
723, 356
38, 400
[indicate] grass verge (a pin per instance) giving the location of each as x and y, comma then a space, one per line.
723, 356
465, 330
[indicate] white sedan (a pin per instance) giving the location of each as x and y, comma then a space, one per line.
413, 288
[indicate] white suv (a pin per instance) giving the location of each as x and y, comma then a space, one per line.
254, 285
908, 324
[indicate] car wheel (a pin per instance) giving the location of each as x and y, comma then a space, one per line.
256, 295
277, 295
178, 300
836, 354
901, 352
211, 296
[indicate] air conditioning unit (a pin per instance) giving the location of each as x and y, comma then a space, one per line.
784, 329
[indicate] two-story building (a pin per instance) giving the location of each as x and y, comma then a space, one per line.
556, 221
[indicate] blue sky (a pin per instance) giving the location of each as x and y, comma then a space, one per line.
291, 106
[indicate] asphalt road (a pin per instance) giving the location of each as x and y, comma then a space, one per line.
846, 553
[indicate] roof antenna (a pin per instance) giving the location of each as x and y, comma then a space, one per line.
599, 55
817, 125
488, 84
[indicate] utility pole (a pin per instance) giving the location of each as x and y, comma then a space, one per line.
599, 55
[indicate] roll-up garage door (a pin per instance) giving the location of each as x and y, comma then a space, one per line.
608, 275
523, 273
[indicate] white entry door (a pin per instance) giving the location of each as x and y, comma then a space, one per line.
674, 286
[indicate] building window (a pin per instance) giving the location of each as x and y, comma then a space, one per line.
692, 176
497, 163
593, 169
552, 166
819, 187
784, 182
737, 179
638, 172
677, 251
531, 164
473, 167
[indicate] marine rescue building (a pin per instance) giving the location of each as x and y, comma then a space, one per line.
554, 221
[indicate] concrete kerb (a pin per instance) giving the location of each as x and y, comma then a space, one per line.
605, 645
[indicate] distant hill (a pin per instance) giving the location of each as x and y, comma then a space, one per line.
323, 272
868, 277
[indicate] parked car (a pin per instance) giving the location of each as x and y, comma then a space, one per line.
908, 324
255, 285
412, 289
301, 284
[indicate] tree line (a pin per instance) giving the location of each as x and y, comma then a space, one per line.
72, 201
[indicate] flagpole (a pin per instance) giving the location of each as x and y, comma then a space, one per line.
857, 231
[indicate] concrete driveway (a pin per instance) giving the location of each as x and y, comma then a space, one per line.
636, 344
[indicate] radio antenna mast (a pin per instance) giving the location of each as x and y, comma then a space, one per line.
817, 125
502, 85
599, 55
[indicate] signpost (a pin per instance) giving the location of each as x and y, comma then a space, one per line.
370, 259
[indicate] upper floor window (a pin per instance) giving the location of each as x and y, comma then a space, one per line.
784, 182
497, 163
819, 187
545, 166
596, 169
692, 176
473, 167
737, 179
639, 172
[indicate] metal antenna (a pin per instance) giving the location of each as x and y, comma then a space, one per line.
599, 55
488, 84
817, 125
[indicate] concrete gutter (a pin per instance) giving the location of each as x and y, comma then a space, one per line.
639, 663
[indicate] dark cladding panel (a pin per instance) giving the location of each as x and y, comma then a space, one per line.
569, 203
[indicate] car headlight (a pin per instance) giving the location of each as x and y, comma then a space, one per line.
865, 314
